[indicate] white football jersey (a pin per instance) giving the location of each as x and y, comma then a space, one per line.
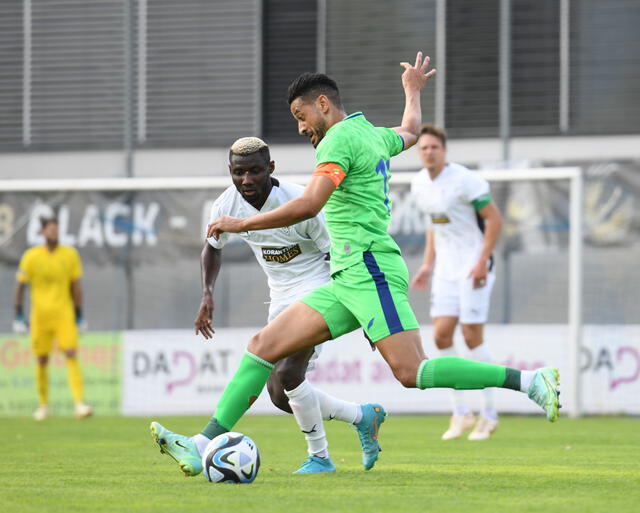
292, 257
446, 201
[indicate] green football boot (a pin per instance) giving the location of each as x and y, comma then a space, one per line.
181, 448
373, 416
544, 391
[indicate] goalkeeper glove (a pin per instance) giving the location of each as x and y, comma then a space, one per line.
19, 322
80, 322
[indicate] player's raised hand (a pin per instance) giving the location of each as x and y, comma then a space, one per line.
204, 318
416, 77
224, 224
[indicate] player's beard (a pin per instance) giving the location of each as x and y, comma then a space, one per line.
320, 131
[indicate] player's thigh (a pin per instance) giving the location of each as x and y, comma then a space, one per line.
275, 309
375, 291
298, 327
41, 338
404, 353
445, 297
474, 303
67, 334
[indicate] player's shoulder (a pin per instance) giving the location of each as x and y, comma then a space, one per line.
69, 251
420, 178
463, 173
288, 190
225, 201
30, 254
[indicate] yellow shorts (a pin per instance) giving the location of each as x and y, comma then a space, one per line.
64, 331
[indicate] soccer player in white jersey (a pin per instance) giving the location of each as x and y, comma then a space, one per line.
295, 260
463, 227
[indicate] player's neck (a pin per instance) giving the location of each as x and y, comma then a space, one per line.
436, 170
336, 116
51, 246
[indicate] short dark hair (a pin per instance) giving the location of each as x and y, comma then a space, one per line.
314, 84
44, 221
440, 133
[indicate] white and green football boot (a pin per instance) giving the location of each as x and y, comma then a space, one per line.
544, 391
181, 448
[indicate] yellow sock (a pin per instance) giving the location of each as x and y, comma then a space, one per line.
74, 376
42, 383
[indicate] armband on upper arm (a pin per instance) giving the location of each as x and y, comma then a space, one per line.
332, 171
482, 201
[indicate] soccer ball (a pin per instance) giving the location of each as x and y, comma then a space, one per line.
231, 458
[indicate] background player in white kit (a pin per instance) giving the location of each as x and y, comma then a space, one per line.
463, 225
295, 260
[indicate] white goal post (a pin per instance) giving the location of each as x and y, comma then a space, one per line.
572, 174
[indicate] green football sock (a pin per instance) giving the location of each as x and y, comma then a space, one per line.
239, 394
463, 374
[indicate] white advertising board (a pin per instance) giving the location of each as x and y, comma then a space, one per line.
173, 372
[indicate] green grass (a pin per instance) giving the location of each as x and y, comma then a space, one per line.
110, 464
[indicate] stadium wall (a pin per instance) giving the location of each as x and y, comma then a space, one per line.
172, 372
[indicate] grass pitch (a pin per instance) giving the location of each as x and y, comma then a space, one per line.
110, 464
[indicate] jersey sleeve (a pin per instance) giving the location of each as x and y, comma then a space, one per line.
24, 268
217, 210
336, 149
476, 191
393, 140
76, 265
317, 231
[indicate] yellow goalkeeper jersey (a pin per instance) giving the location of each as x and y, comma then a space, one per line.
50, 273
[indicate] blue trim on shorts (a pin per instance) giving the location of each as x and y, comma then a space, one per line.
386, 300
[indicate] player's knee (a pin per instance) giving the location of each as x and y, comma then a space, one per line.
70, 353
278, 397
259, 345
43, 360
443, 340
256, 345
406, 375
290, 374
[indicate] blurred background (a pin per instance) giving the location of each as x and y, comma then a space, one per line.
139, 89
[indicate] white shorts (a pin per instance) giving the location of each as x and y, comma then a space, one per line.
458, 298
278, 306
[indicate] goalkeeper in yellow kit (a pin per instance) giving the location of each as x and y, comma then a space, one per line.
53, 272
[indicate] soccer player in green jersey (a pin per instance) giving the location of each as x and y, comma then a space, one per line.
369, 279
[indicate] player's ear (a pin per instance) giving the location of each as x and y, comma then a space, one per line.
323, 103
272, 167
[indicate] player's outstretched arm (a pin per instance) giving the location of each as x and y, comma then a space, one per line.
210, 262
414, 79
306, 206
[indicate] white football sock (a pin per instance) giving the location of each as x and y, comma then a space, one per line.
306, 410
481, 354
201, 442
334, 408
457, 396
526, 377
